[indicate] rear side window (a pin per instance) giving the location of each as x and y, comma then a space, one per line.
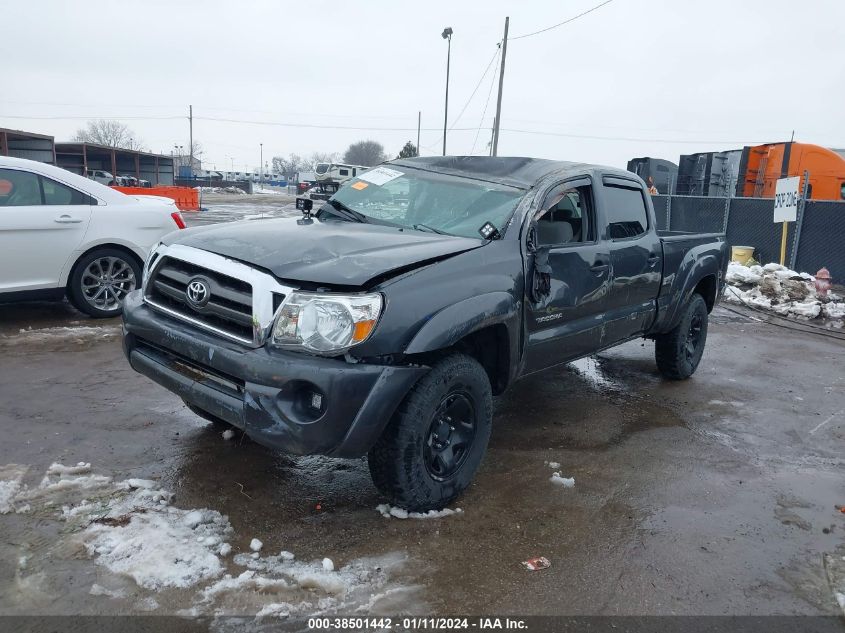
19, 188
57, 193
626, 212
25, 189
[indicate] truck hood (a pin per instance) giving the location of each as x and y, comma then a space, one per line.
324, 251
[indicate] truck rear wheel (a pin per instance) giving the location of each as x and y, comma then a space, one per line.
433, 445
679, 351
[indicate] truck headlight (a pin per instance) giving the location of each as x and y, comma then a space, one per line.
323, 323
151, 257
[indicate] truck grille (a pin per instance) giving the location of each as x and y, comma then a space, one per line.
228, 307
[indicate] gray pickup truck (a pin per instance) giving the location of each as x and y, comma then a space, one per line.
383, 323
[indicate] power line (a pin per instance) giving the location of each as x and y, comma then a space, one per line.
486, 105
554, 26
623, 138
365, 128
468, 101
87, 118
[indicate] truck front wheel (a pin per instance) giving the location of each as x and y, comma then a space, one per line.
679, 351
433, 445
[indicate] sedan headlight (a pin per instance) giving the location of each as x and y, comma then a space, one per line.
326, 323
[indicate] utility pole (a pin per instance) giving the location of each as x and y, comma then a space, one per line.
419, 121
501, 82
191, 138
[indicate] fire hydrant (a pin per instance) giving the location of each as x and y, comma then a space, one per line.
823, 282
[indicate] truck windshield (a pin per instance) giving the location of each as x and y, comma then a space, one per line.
430, 202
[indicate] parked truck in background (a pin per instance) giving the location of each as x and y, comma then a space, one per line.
761, 166
384, 324
663, 172
708, 174
750, 172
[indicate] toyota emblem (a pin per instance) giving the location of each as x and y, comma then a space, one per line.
197, 292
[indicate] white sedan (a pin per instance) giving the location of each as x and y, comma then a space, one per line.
62, 234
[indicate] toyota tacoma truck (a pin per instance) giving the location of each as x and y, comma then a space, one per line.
384, 322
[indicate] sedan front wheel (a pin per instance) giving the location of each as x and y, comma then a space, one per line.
101, 280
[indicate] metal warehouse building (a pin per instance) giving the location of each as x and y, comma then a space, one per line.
29, 145
81, 157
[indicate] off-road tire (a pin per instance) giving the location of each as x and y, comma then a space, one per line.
398, 462
75, 290
676, 355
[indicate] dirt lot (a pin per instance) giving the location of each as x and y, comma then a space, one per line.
712, 496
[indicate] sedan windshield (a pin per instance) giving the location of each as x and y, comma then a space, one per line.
426, 201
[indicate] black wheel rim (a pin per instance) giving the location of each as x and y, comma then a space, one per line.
693, 337
450, 435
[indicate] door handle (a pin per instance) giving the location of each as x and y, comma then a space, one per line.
67, 219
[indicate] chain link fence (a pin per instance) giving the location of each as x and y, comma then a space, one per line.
820, 229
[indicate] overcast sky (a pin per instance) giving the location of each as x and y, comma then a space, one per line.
633, 78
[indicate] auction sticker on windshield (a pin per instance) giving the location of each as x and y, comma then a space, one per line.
380, 175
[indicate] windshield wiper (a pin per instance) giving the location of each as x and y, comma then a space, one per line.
431, 229
341, 210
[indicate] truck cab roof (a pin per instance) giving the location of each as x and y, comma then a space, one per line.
515, 171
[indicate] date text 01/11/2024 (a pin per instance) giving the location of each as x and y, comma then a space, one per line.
415, 623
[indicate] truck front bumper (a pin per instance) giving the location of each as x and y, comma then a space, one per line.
294, 402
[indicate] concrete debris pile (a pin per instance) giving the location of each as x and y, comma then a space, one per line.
234, 190
783, 291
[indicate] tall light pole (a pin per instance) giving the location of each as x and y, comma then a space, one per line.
447, 35
261, 167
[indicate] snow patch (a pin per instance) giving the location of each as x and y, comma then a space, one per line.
60, 477
228, 434
785, 292
388, 511
328, 564
11, 478
99, 590
255, 545
274, 586
566, 482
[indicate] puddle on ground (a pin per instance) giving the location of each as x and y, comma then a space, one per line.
575, 406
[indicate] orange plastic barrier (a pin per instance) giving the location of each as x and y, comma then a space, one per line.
187, 198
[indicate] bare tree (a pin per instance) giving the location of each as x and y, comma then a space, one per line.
110, 134
198, 151
367, 153
290, 166
324, 157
